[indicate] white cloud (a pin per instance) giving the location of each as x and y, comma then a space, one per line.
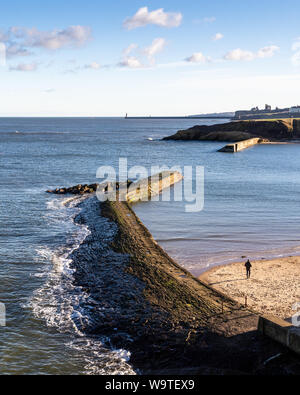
19, 40
4, 37
148, 53
131, 62
296, 59
16, 31
197, 57
73, 36
93, 66
296, 45
159, 17
296, 56
241, 55
13, 50
210, 19
24, 67
127, 51
88, 66
268, 52
157, 46
217, 36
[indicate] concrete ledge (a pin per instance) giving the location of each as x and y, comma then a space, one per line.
150, 187
280, 331
240, 145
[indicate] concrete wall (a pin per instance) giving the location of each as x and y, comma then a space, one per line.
240, 145
280, 331
152, 186
247, 143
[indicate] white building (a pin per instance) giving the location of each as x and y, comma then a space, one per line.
295, 109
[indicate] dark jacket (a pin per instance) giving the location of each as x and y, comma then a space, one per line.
248, 265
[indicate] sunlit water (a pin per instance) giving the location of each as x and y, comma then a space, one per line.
251, 209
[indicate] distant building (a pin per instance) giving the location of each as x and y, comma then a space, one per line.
256, 112
295, 109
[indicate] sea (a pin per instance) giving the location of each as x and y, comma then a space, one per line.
251, 209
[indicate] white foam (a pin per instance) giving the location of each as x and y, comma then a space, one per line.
59, 302
115, 361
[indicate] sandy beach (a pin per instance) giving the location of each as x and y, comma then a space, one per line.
274, 286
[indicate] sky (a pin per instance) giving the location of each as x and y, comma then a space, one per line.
147, 57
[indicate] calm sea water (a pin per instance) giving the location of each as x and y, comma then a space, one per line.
251, 209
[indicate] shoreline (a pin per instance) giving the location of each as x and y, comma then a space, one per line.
188, 317
142, 301
272, 288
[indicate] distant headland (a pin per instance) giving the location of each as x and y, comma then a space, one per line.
278, 130
253, 113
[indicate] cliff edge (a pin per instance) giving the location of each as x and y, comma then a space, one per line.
273, 130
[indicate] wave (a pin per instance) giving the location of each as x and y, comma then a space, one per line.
28, 133
153, 139
64, 304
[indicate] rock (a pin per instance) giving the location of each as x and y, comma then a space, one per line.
76, 190
92, 188
276, 130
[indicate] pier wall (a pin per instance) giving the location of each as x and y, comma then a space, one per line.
280, 331
152, 186
240, 145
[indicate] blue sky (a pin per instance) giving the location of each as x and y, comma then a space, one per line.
108, 58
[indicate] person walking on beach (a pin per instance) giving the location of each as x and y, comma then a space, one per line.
248, 268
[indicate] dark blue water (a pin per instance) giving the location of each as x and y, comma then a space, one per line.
251, 209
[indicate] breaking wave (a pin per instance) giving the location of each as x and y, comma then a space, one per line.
63, 304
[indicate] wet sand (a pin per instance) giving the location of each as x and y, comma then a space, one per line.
273, 289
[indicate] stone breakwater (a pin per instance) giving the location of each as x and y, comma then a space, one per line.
140, 300
241, 145
152, 186
129, 191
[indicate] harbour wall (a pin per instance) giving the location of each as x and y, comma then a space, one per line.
280, 331
145, 189
240, 145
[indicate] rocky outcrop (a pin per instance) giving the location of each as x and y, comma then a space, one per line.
277, 130
75, 190
86, 189
130, 191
